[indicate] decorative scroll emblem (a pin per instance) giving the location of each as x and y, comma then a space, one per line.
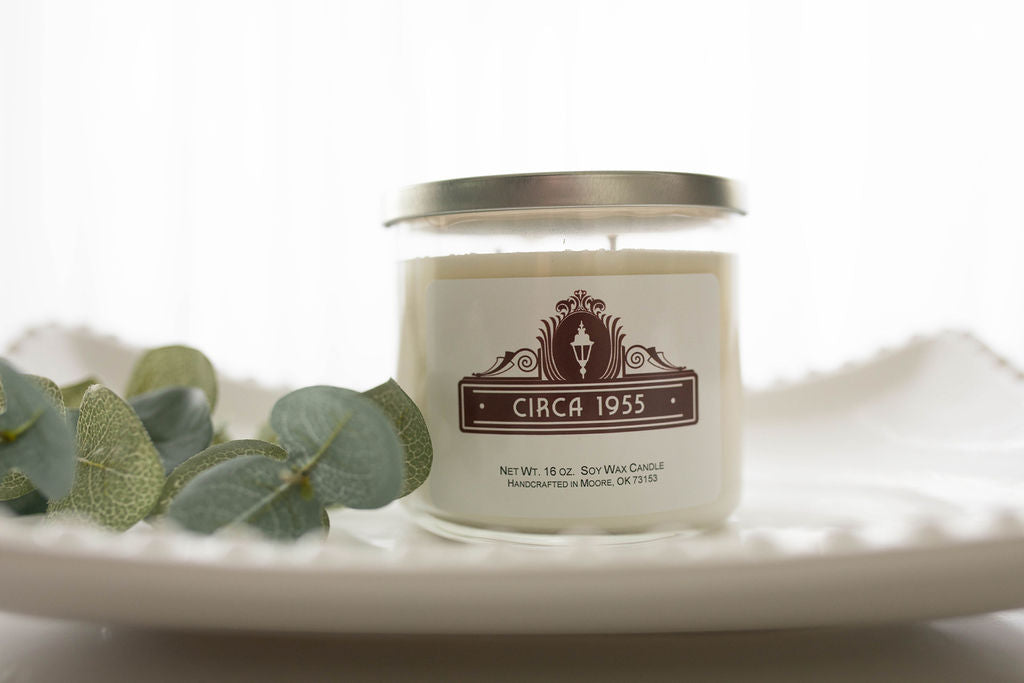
583, 379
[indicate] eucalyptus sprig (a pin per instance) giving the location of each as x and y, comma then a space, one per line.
84, 451
35, 441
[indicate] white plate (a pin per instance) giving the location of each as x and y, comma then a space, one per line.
888, 491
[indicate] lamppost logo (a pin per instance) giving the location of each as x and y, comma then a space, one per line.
582, 379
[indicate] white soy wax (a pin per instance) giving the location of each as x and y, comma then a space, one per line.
577, 365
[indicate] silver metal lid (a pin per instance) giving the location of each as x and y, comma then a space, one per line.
572, 190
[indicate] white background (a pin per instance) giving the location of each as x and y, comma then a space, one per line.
211, 172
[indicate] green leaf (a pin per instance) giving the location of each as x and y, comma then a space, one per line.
178, 422
34, 438
343, 442
32, 503
251, 490
15, 484
119, 475
73, 393
72, 418
412, 430
173, 366
51, 391
212, 456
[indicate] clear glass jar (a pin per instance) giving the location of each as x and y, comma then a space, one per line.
571, 339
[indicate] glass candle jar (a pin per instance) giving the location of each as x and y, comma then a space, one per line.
571, 339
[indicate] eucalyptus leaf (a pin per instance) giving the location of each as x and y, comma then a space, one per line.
251, 490
178, 422
73, 393
344, 442
171, 366
34, 438
119, 475
15, 484
51, 391
212, 456
32, 503
412, 430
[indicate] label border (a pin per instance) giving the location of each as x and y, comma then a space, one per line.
657, 380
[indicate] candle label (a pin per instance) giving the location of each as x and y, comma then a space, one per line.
556, 396
581, 379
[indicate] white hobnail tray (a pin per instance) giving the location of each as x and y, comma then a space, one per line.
889, 490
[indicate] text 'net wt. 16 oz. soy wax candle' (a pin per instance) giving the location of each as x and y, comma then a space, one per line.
571, 339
